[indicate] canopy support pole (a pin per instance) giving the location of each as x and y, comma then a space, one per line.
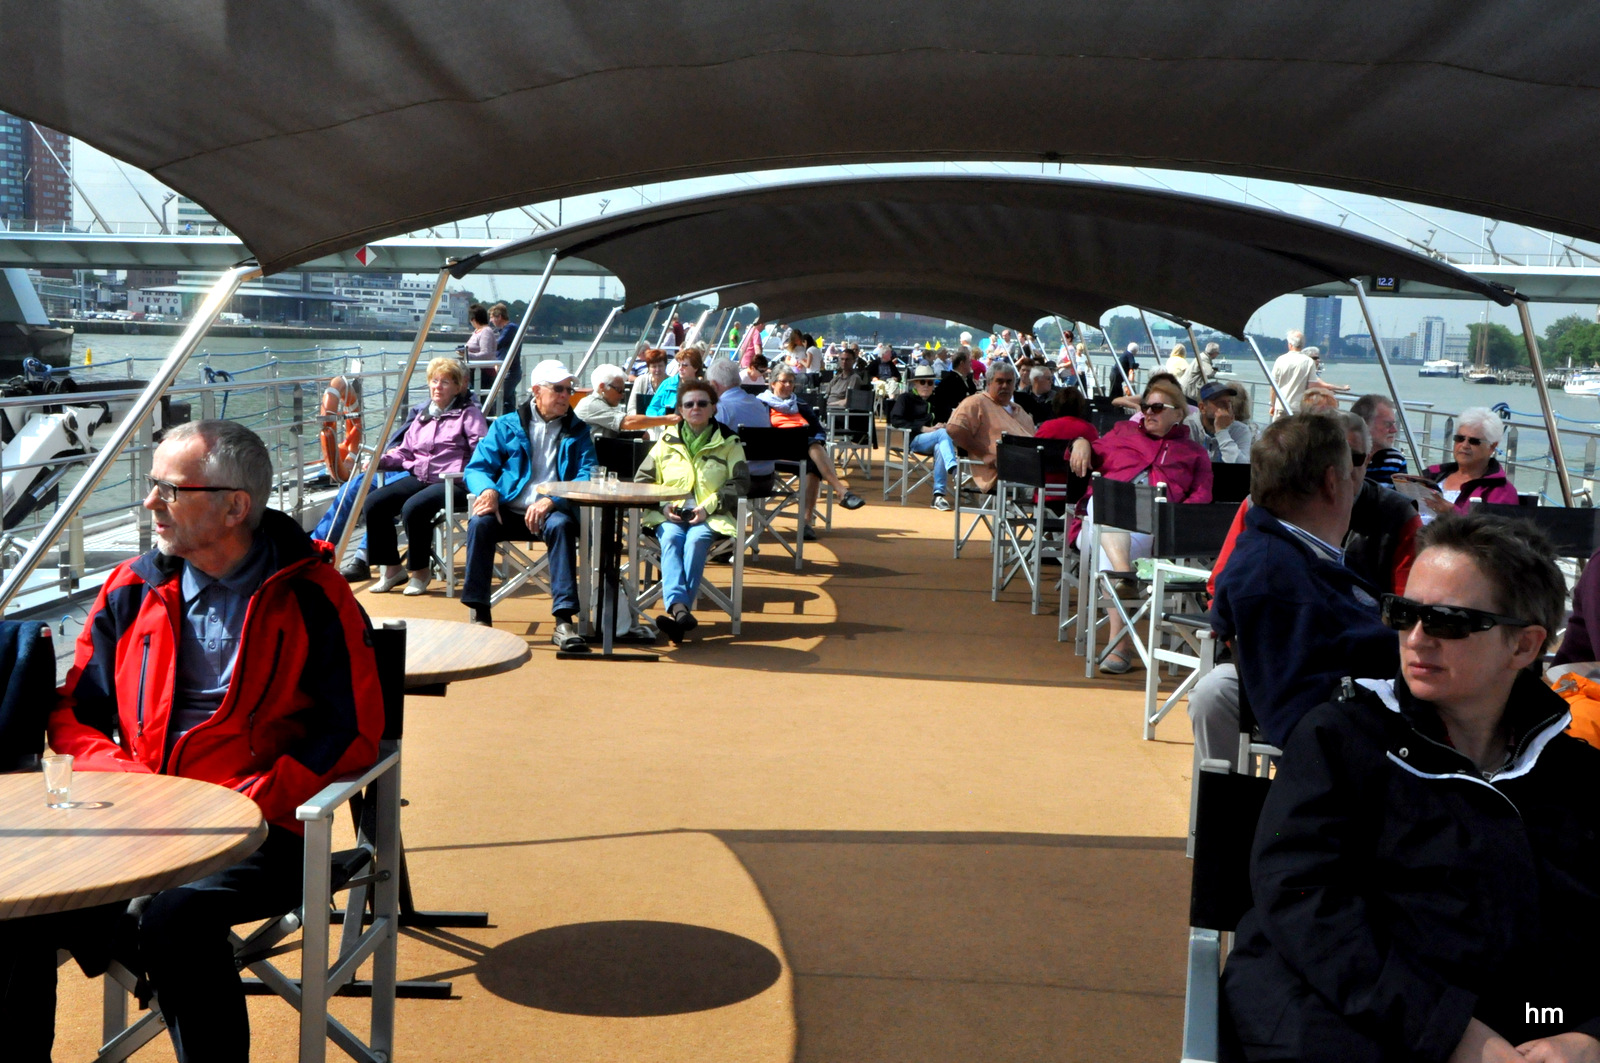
1262, 361
515, 350
1539, 385
1388, 376
595, 345
693, 335
722, 338
1194, 349
1105, 337
644, 333
400, 398
661, 340
176, 359
1089, 385
1155, 352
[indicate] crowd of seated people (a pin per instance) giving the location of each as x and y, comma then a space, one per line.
976, 425
605, 411
690, 364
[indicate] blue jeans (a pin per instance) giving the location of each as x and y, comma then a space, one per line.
937, 443
560, 537
683, 559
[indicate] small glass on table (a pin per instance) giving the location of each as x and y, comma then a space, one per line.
58, 781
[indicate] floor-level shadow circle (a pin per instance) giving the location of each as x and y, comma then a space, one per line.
628, 968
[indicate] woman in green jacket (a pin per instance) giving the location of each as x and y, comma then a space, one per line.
706, 462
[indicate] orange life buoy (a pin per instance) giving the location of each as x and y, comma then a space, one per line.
341, 401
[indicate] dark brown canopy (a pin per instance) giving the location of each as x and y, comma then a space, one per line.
313, 126
1004, 245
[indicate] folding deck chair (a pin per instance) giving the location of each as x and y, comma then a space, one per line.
1030, 532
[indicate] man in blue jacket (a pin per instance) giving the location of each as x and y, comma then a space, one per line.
1300, 619
541, 442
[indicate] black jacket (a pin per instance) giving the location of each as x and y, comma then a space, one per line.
910, 411
1398, 893
951, 390
1381, 521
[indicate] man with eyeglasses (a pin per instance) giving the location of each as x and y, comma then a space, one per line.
978, 423
603, 410
232, 653
543, 441
1299, 616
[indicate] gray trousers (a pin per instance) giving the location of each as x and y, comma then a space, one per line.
1214, 712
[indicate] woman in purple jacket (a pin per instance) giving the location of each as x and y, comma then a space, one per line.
439, 440
1158, 450
1474, 473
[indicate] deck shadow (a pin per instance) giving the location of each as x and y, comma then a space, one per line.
913, 947
628, 969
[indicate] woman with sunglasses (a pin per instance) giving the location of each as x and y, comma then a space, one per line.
1427, 864
706, 462
1157, 450
1475, 473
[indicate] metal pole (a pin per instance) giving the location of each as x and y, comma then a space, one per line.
514, 351
644, 333
1088, 390
1394, 392
1194, 345
716, 330
722, 337
693, 334
1105, 338
1271, 383
1155, 352
209, 308
661, 341
394, 408
1544, 401
578, 372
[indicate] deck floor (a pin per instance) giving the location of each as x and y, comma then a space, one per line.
889, 822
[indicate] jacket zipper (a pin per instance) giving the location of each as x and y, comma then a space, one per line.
144, 670
250, 720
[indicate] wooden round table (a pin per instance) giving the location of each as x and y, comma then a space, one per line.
439, 652
157, 831
612, 500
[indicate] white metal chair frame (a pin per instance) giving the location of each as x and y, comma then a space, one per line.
514, 566
642, 573
844, 450
911, 469
1189, 643
1029, 533
968, 517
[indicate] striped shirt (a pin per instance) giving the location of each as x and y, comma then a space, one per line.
1384, 464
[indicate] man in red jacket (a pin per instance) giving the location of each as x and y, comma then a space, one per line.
233, 653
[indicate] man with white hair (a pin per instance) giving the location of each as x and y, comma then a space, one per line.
603, 410
542, 441
1129, 361
1295, 372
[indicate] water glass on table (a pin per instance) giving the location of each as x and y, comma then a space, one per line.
58, 780
598, 477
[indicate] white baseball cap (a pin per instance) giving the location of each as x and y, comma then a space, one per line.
549, 371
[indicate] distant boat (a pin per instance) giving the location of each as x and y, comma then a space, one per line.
1482, 376
1583, 382
1440, 367
1222, 365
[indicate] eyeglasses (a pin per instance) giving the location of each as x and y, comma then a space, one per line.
168, 491
1442, 621
1473, 440
559, 389
699, 404
1358, 458
1154, 409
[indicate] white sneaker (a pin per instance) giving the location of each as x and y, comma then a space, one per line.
391, 578
417, 585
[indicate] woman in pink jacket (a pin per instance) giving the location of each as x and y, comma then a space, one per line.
439, 440
1158, 450
1474, 473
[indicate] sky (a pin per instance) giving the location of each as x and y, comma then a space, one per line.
111, 186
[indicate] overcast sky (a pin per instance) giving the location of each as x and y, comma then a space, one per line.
111, 185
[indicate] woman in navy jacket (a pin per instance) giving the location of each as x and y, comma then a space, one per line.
1427, 866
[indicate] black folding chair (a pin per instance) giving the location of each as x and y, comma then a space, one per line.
28, 662
1575, 532
1230, 481
789, 449
1030, 531
1227, 809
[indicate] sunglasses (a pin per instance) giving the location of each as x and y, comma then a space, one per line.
1442, 621
1473, 440
1154, 409
698, 404
167, 491
1358, 458
559, 389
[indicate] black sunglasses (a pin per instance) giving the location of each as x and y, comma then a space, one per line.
1474, 440
1358, 458
698, 404
1442, 621
1154, 409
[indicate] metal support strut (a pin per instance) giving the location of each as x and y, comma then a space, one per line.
515, 350
1262, 361
1394, 392
1537, 365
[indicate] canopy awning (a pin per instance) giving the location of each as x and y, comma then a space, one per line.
1008, 245
314, 126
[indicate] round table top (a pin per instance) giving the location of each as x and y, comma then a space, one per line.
625, 493
448, 651
156, 832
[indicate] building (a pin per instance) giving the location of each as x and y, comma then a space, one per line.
388, 300
194, 219
1430, 338
1322, 322
14, 133
35, 185
1396, 348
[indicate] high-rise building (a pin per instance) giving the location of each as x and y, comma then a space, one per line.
1430, 338
1322, 322
48, 195
193, 218
14, 134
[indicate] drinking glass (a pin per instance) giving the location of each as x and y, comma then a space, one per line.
58, 780
612, 480
599, 477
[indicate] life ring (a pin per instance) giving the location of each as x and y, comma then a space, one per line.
341, 401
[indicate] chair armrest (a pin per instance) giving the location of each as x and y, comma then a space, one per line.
337, 793
1201, 998
1183, 572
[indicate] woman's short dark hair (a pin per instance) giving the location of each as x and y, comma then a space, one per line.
759, 363
701, 386
1069, 402
1514, 557
478, 313
654, 356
